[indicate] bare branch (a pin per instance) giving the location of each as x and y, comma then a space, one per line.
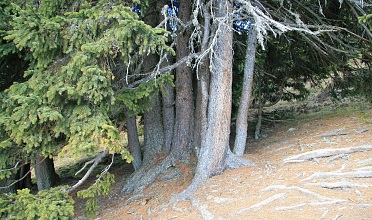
97, 160
10, 169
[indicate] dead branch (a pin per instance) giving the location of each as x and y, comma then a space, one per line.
97, 160
20, 179
341, 184
324, 175
325, 153
266, 201
10, 169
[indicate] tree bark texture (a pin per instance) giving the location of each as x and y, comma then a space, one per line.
168, 115
153, 121
242, 118
153, 131
215, 143
202, 87
184, 122
133, 141
45, 173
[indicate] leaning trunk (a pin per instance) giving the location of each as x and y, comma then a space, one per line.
242, 118
133, 141
45, 173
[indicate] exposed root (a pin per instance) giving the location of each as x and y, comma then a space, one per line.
286, 208
340, 185
325, 175
235, 162
146, 175
325, 153
190, 190
266, 201
302, 190
202, 209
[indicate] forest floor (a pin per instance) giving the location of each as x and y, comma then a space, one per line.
338, 186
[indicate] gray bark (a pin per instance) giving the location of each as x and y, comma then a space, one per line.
153, 121
202, 88
168, 115
133, 141
259, 117
242, 118
45, 173
153, 131
215, 142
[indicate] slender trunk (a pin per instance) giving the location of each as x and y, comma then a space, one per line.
168, 115
25, 174
8, 185
45, 173
202, 87
259, 116
182, 139
133, 141
242, 118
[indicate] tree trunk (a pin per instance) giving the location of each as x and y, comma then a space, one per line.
168, 116
202, 87
20, 180
133, 141
25, 175
184, 91
215, 142
45, 173
153, 131
259, 117
242, 118
153, 121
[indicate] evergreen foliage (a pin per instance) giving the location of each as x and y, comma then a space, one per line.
65, 104
47, 204
102, 186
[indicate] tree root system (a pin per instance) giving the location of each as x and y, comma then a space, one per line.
325, 153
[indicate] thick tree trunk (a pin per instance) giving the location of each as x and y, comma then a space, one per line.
215, 142
242, 118
133, 141
153, 131
153, 121
45, 173
184, 122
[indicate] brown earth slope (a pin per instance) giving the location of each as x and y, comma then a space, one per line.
273, 189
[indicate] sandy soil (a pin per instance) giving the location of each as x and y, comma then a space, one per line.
273, 189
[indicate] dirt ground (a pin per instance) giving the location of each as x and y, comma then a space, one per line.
273, 189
